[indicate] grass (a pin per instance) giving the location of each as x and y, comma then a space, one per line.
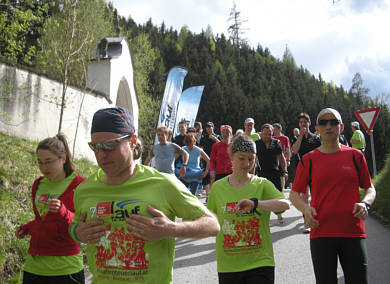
18, 170
381, 205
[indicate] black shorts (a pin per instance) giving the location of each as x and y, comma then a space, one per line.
75, 278
264, 275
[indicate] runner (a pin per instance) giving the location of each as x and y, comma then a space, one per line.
336, 214
53, 256
242, 203
125, 212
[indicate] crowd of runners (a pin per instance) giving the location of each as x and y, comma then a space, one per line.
125, 213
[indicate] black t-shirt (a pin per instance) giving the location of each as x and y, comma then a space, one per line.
207, 143
309, 144
269, 158
179, 140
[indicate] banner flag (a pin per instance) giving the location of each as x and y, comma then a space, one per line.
188, 107
173, 89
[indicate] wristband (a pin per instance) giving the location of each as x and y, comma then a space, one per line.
256, 201
184, 164
73, 233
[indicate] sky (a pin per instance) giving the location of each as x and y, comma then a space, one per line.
336, 39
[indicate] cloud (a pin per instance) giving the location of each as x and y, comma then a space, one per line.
336, 40
362, 6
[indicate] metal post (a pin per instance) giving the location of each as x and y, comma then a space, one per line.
373, 153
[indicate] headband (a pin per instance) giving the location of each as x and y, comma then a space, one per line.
244, 146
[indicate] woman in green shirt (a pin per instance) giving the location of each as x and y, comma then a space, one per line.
242, 203
53, 256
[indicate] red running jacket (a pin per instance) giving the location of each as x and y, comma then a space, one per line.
50, 236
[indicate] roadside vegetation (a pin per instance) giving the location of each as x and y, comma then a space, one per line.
18, 170
381, 205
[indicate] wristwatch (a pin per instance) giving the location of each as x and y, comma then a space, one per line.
368, 206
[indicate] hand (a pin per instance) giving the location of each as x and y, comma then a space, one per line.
182, 171
150, 229
309, 219
90, 231
303, 131
54, 205
360, 211
243, 206
20, 233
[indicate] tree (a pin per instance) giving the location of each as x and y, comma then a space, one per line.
235, 29
357, 90
70, 37
20, 27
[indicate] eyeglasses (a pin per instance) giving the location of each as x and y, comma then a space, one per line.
333, 122
48, 163
109, 145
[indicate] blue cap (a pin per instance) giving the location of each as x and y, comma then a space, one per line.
116, 120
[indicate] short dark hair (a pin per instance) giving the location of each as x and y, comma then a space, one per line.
198, 123
304, 115
277, 125
267, 126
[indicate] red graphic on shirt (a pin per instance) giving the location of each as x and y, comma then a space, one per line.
125, 252
43, 197
229, 208
103, 209
246, 234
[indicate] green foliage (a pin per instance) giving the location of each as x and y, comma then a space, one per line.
18, 170
381, 183
20, 26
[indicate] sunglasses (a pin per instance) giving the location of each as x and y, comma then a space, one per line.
109, 145
333, 122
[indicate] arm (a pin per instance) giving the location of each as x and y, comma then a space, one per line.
359, 209
207, 159
161, 227
274, 205
149, 158
288, 155
184, 164
305, 208
283, 165
297, 145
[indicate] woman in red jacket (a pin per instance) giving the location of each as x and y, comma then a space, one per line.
53, 256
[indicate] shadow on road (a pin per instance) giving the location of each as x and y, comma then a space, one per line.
194, 261
190, 249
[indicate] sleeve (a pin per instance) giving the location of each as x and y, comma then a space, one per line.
211, 200
66, 214
212, 157
270, 191
301, 179
182, 203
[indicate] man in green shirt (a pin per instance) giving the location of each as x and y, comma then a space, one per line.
125, 212
357, 139
249, 125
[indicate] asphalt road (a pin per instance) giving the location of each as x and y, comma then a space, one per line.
195, 259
